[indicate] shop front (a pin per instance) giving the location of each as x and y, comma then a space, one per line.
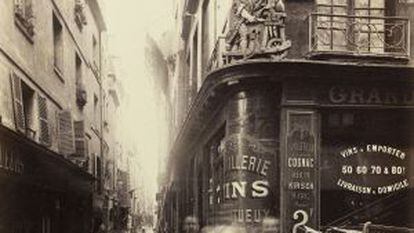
347, 154
313, 145
41, 192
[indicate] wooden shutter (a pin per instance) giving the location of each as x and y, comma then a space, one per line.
18, 102
44, 135
80, 140
65, 128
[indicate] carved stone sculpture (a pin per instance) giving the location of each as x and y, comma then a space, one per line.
256, 30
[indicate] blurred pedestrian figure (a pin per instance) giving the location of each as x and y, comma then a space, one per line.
191, 225
270, 225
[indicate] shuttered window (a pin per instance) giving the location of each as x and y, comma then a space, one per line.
18, 103
81, 146
65, 128
44, 136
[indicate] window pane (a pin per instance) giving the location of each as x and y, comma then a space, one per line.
339, 40
361, 25
377, 13
340, 2
340, 10
363, 41
377, 42
326, 2
324, 39
361, 3
324, 22
324, 9
377, 4
377, 25
339, 23
384, 130
359, 12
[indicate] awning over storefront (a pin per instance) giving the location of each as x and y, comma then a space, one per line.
24, 161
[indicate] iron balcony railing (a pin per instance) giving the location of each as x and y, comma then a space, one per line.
329, 34
375, 36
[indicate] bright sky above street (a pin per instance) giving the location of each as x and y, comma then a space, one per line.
129, 21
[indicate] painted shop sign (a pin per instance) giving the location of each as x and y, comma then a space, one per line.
248, 172
373, 169
300, 177
368, 95
10, 160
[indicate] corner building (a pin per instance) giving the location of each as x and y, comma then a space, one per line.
300, 110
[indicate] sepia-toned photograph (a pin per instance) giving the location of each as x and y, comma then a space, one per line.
206, 116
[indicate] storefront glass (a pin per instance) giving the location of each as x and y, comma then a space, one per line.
366, 174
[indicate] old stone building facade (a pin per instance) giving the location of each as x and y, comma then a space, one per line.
296, 110
57, 145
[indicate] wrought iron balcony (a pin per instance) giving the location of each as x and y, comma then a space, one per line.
351, 35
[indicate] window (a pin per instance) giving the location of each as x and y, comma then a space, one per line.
80, 17
25, 112
23, 11
371, 32
81, 95
351, 25
343, 129
95, 52
95, 102
57, 44
96, 111
28, 110
78, 71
